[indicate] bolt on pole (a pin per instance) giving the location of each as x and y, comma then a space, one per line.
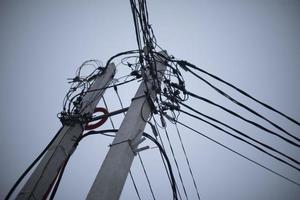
41, 180
114, 170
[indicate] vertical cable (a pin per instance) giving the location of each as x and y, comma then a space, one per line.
187, 161
176, 163
161, 141
142, 163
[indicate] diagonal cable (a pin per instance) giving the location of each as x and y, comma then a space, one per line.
187, 161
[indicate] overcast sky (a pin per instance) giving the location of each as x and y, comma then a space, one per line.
253, 44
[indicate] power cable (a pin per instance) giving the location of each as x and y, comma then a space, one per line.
173, 182
186, 66
161, 141
237, 153
31, 166
103, 132
156, 133
54, 190
244, 106
242, 118
239, 138
241, 133
187, 161
146, 174
176, 163
242, 92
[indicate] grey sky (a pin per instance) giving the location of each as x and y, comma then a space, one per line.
252, 44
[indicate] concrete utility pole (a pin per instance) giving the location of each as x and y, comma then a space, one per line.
114, 170
39, 183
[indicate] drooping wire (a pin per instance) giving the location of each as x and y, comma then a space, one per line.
146, 174
241, 139
237, 153
187, 161
241, 133
161, 141
161, 149
173, 182
176, 163
242, 92
242, 118
185, 65
243, 105
134, 185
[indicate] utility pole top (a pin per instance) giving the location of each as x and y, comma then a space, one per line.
41, 180
114, 170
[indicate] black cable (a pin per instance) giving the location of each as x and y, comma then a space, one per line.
244, 119
147, 136
107, 87
244, 106
241, 133
102, 132
134, 185
168, 163
54, 190
120, 54
31, 166
239, 138
146, 174
118, 84
110, 118
187, 161
176, 163
249, 159
137, 34
163, 146
242, 92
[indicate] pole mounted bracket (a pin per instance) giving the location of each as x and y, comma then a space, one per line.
133, 145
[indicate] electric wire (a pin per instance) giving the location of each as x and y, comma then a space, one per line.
185, 65
146, 174
103, 132
61, 171
244, 106
15, 185
187, 161
163, 146
237, 153
54, 190
242, 92
242, 118
176, 163
106, 107
120, 54
241, 133
173, 182
241, 139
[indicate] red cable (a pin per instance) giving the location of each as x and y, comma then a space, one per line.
100, 122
